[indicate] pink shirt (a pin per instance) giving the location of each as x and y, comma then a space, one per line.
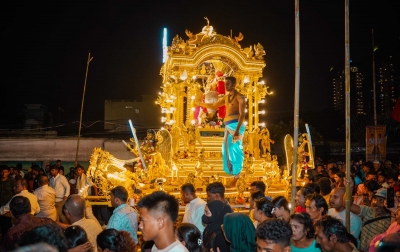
393, 228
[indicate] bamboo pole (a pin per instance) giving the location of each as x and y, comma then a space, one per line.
83, 100
347, 97
296, 103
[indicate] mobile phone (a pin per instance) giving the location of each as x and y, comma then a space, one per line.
390, 197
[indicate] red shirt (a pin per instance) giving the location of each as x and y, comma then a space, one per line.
300, 209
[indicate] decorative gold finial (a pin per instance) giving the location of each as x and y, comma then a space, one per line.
208, 21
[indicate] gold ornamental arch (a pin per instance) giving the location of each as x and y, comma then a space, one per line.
191, 63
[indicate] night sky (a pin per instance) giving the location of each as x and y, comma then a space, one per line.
45, 46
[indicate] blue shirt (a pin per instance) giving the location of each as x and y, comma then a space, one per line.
125, 218
314, 247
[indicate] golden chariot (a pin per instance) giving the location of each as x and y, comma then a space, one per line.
188, 148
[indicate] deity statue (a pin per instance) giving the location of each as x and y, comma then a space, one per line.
266, 141
304, 151
201, 162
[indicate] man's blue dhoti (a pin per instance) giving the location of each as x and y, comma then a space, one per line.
232, 153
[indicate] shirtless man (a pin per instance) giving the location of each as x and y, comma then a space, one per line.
232, 150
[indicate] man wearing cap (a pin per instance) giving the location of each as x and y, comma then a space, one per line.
376, 218
377, 166
60, 184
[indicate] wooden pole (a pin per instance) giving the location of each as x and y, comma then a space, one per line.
83, 100
296, 103
347, 97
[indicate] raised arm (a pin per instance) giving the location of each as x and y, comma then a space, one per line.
215, 105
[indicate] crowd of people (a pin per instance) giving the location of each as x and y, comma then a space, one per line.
42, 211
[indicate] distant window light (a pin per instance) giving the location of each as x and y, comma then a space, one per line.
137, 111
128, 106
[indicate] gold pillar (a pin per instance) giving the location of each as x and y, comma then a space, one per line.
250, 99
256, 99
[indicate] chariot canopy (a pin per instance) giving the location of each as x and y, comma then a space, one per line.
197, 66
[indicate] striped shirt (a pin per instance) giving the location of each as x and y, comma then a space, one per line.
373, 229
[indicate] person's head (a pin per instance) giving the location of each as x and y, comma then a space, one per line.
5, 171
35, 169
316, 206
257, 186
53, 170
119, 196
330, 231
74, 208
379, 198
47, 168
188, 193
50, 234
273, 235
324, 186
371, 175
336, 199
366, 167
388, 164
79, 169
332, 172
158, 212
20, 206
255, 196
214, 212
302, 226
239, 231
58, 162
20, 185
230, 83
309, 178
263, 209
301, 195
320, 168
281, 206
392, 181
43, 180
381, 178
376, 164
75, 236
371, 185
42, 172
190, 236
339, 177
215, 191
112, 240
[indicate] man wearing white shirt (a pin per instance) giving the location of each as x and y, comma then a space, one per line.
194, 206
20, 188
338, 211
61, 186
46, 198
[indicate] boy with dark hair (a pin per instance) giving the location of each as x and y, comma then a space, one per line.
273, 235
124, 217
257, 186
215, 191
158, 212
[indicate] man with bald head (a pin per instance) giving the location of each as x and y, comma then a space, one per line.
46, 198
338, 211
74, 212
